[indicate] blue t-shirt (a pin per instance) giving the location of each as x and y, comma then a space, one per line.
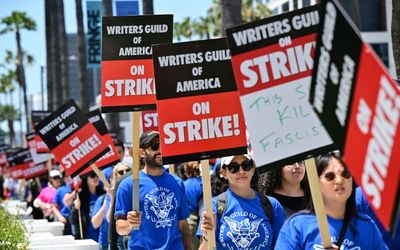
91, 232
103, 230
363, 206
244, 225
59, 199
162, 203
194, 192
301, 232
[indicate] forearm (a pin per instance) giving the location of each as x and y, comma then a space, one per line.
57, 214
97, 219
69, 198
203, 244
123, 227
186, 235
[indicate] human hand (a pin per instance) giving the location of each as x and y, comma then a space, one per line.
134, 218
207, 224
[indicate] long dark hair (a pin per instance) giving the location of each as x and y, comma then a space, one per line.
84, 195
322, 162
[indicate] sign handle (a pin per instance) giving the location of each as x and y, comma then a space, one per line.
101, 176
49, 165
135, 162
171, 168
207, 199
80, 220
318, 203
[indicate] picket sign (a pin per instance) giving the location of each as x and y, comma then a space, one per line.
135, 163
207, 198
171, 168
101, 176
318, 203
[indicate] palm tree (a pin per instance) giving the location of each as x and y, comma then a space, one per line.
148, 8
231, 14
10, 114
83, 75
15, 23
7, 84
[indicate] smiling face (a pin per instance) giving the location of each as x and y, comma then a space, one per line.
336, 183
152, 154
293, 174
240, 179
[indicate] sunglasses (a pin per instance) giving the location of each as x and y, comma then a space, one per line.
234, 167
56, 178
330, 176
155, 146
122, 172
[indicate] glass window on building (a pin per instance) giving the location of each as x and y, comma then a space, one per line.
285, 7
381, 49
306, 3
368, 15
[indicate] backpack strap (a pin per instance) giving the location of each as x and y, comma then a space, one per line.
221, 204
267, 207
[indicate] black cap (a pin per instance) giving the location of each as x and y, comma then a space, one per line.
146, 137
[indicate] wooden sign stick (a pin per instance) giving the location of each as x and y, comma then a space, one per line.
135, 162
171, 168
207, 199
318, 203
101, 176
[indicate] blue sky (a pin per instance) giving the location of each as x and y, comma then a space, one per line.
34, 41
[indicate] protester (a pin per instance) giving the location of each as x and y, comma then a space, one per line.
287, 185
34, 188
58, 201
90, 191
44, 200
194, 195
162, 201
349, 229
218, 183
243, 222
102, 206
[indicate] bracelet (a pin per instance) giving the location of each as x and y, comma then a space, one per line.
204, 238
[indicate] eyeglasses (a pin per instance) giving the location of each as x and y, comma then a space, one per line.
300, 163
155, 146
122, 172
330, 176
234, 167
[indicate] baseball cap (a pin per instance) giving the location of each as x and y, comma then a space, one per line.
54, 173
146, 137
228, 159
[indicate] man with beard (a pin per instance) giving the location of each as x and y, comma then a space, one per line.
163, 206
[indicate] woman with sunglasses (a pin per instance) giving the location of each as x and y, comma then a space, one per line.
243, 223
349, 228
102, 206
287, 185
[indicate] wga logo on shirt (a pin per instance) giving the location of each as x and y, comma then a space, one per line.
346, 244
159, 202
243, 230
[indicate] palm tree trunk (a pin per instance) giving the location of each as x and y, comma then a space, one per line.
396, 35
107, 7
148, 8
84, 99
231, 14
21, 78
66, 90
50, 55
11, 132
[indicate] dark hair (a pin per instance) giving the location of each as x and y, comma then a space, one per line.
118, 143
322, 162
84, 195
269, 180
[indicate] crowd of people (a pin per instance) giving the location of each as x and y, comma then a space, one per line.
269, 211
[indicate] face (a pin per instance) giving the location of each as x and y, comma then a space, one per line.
121, 170
93, 180
152, 154
120, 151
55, 181
242, 178
336, 183
294, 173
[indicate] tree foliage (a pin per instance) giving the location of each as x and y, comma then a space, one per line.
210, 25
